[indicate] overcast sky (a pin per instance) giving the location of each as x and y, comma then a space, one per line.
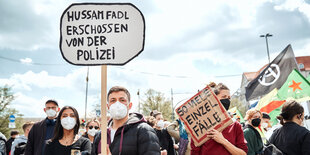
187, 45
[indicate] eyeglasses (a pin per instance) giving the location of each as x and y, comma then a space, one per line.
91, 127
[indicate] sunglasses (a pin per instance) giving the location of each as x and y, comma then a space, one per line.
91, 127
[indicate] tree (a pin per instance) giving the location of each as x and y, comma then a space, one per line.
6, 97
156, 101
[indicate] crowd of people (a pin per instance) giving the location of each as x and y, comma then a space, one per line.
136, 134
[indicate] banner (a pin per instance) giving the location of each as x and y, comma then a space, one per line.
273, 76
201, 113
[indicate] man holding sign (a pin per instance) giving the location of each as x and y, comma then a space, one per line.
230, 140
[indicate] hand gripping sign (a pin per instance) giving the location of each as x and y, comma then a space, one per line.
101, 33
201, 113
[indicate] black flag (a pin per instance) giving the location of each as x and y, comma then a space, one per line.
273, 76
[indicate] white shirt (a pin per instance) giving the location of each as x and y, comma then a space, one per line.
112, 134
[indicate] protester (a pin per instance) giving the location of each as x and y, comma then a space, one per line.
2, 144
19, 144
43, 130
150, 120
157, 115
165, 140
92, 127
265, 121
65, 140
177, 130
14, 134
230, 140
128, 134
292, 138
251, 134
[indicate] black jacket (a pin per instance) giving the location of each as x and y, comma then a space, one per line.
36, 138
292, 139
138, 138
165, 141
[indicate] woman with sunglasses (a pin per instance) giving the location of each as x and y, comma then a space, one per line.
66, 140
92, 127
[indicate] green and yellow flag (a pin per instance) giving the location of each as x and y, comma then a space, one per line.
296, 87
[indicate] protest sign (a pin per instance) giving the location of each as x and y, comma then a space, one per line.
101, 33
201, 113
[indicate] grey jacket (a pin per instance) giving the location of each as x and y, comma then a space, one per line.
18, 140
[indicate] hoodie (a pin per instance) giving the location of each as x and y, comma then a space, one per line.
134, 137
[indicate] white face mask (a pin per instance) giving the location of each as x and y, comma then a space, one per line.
265, 125
92, 131
68, 122
50, 113
118, 110
160, 124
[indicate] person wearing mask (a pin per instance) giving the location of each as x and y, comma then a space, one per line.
128, 133
66, 140
228, 142
20, 142
251, 134
165, 140
43, 130
14, 134
265, 125
292, 138
92, 127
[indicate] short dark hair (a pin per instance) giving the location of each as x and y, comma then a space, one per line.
58, 130
26, 125
150, 120
265, 115
14, 132
289, 110
118, 89
155, 113
51, 101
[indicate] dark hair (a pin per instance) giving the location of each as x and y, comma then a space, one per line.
118, 89
289, 110
59, 130
217, 87
265, 115
26, 125
155, 113
51, 101
150, 120
14, 132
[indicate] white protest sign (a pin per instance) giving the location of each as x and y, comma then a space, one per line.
101, 33
201, 113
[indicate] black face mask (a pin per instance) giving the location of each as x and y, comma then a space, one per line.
225, 103
255, 122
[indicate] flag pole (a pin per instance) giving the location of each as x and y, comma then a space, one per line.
104, 109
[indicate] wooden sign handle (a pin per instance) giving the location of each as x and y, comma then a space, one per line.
103, 110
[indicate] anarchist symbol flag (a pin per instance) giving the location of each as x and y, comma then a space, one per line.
273, 76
